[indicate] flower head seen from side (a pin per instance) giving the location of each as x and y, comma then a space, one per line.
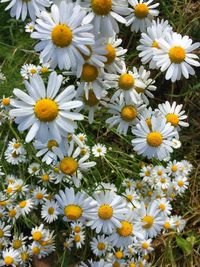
104, 15
43, 111
176, 56
155, 142
63, 38
142, 14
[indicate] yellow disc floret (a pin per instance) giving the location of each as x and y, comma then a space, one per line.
111, 54
101, 7
51, 211
46, 110
141, 10
128, 113
6, 101
105, 212
37, 236
155, 45
89, 73
52, 143
101, 246
61, 35
125, 229
154, 139
68, 165
177, 54
173, 119
148, 221
73, 212
92, 99
8, 260
126, 81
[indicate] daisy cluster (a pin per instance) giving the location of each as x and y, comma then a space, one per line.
55, 196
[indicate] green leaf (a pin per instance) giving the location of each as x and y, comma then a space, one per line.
184, 244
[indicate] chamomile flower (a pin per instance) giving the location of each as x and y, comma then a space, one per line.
148, 41
132, 198
43, 111
162, 182
44, 68
155, 142
46, 177
105, 14
14, 158
173, 168
99, 150
10, 257
144, 246
25, 206
173, 114
164, 206
108, 213
28, 70
99, 245
75, 206
18, 241
5, 230
29, 27
77, 227
49, 211
178, 223
21, 9
34, 168
180, 184
16, 146
13, 213
63, 37
176, 56
177, 143
39, 195
82, 137
79, 239
125, 113
142, 14
5, 103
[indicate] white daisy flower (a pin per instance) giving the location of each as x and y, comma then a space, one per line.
155, 142
105, 14
63, 36
115, 56
82, 137
77, 227
2, 77
173, 168
142, 14
99, 245
16, 146
177, 143
79, 239
5, 230
10, 257
132, 198
149, 220
125, 114
28, 70
49, 211
44, 68
164, 206
13, 214
144, 246
110, 210
34, 168
146, 114
29, 27
25, 206
162, 182
14, 158
178, 223
46, 177
32, 8
185, 167
173, 114
158, 171
175, 55
5, 103
43, 111
148, 43
19, 241
68, 244
180, 184
39, 195
75, 206
99, 150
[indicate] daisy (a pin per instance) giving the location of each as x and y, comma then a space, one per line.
13, 214
25, 206
164, 206
5, 230
178, 223
29, 27
19, 241
44, 111
149, 88
20, 187
24, 255
38, 233
82, 137
79, 239
141, 15
110, 210
115, 56
125, 114
28, 70
180, 184
173, 168
77, 227
32, 8
155, 142
74, 206
101, 263
149, 220
10, 257
132, 198
14, 158
68, 244
175, 55
173, 114
177, 143
16, 147
99, 245
162, 182
39, 195
144, 246
105, 14
99, 150
34, 168
148, 41
63, 37
5, 103
49, 211
46, 177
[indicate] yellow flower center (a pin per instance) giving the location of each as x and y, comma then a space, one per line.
180, 183
73, 212
128, 113
154, 139
15, 155
141, 10
148, 122
89, 73
173, 119
92, 100
17, 244
145, 245
148, 220
126, 81
177, 54
3, 203
22, 204
155, 45
61, 35
16, 145
162, 180
77, 238
51, 144
51, 211
111, 54
46, 110
132, 264
101, 246
125, 229
119, 254
36, 250
116, 264
166, 225
139, 90
1, 233
9, 190
24, 256
105, 212
174, 168
138, 185
33, 71
44, 70
12, 213
77, 229
147, 173
129, 198
6, 101
162, 207
101, 7
45, 177
8, 260
159, 172
68, 165
39, 196
37, 236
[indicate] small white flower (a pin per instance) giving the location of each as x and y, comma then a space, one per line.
99, 150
